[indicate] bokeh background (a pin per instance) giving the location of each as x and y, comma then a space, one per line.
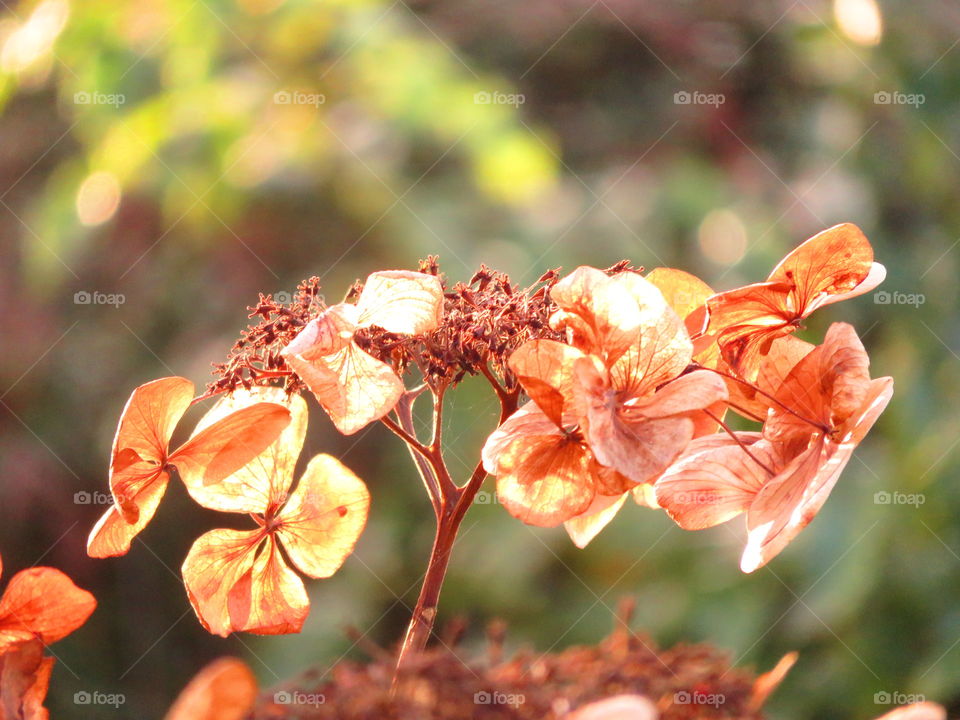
188, 154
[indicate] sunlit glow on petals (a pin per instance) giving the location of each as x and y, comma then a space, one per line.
323, 518
545, 370
599, 314
265, 480
233, 588
714, 481
768, 682
353, 387
408, 303
112, 534
226, 689
224, 447
528, 420
42, 602
587, 525
327, 333
833, 265
545, 479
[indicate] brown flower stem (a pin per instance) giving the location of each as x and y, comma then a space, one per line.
451, 508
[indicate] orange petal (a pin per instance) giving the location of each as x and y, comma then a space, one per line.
833, 262
226, 689
324, 517
714, 481
545, 370
917, 711
587, 525
43, 602
618, 707
140, 444
544, 478
219, 450
685, 293
599, 314
233, 588
112, 534
352, 386
265, 480
528, 419
24, 680
408, 303
769, 681
637, 447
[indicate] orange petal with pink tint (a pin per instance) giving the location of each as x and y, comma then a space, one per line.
323, 518
42, 602
714, 481
219, 450
112, 535
266, 479
587, 525
544, 476
352, 386
233, 588
24, 681
599, 314
545, 370
768, 682
226, 689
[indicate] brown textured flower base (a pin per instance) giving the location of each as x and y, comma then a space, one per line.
686, 681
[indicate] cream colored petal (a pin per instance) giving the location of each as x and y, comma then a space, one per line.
408, 303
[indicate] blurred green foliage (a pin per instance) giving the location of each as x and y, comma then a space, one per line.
189, 154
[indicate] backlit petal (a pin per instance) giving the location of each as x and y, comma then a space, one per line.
44, 602
323, 518
265, 480
408, 303
587, 525
112, 534
545, 369
226, 689
24, 680
352, 386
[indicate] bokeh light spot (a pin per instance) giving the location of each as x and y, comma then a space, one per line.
98, 198
722, 237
